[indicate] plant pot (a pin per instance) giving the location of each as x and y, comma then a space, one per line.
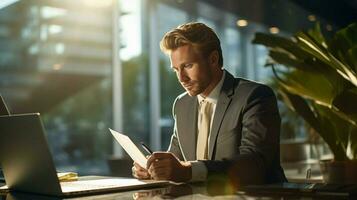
339, 172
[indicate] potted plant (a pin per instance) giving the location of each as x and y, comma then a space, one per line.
317, 78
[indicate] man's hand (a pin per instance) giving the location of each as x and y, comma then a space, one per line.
140, 172
166, 166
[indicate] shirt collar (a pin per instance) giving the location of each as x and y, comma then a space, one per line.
213, 96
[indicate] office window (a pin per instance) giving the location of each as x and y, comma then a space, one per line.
263, 73
134, 68
55, 58
231, 50
170, 88
130, 29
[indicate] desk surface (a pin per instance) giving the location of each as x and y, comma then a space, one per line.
183, 191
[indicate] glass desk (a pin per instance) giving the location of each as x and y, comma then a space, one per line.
209, 190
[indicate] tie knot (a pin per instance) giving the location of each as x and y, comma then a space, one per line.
205, 107
204, 102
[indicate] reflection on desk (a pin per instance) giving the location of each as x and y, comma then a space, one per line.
183, 191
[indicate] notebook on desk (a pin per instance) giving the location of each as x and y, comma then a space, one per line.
28, 165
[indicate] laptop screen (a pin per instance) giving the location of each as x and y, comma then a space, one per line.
3, 111
3, 108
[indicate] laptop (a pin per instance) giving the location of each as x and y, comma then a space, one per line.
3, 111
28, 166
3, 107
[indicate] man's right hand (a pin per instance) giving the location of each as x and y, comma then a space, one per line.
140, 172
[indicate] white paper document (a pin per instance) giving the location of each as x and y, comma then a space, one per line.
130, 148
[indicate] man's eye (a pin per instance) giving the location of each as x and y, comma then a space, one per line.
188, 65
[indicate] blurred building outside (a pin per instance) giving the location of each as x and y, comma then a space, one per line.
90, 65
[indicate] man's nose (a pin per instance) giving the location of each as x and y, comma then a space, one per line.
182, 76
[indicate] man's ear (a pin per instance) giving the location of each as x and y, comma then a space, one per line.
213, 58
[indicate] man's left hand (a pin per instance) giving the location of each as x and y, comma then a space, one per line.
166, 166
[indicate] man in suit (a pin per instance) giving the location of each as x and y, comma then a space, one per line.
224, 126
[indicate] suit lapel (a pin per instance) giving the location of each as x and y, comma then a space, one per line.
223, 103
189, 129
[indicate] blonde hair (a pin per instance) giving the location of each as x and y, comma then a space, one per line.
196, 34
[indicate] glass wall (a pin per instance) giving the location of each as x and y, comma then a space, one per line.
241, 58
168, 18
57, 58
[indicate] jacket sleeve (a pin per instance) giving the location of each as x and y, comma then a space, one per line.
259, 147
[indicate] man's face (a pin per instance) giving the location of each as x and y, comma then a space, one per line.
192, 69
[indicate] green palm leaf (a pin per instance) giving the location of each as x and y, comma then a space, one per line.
318, 81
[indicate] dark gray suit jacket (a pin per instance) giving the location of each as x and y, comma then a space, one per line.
244, 138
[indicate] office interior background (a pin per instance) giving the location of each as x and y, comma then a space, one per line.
90, 65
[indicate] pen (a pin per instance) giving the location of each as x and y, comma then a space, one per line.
147, 149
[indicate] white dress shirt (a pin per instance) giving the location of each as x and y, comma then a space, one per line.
199, 170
